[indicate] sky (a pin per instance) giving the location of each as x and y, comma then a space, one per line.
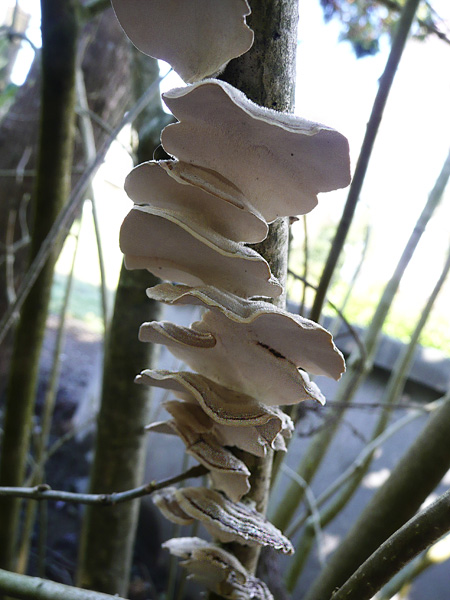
336, 89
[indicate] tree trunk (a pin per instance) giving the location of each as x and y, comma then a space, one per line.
266, 74
59, 43
109, 532
107, 77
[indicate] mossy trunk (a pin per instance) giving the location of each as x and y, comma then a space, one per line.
59, 38
109, 532
266, 74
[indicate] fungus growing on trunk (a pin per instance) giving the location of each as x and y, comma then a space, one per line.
165, 185
278, 162
196, 37
230, 521
235, 419
259, 350
173, 249
217, 569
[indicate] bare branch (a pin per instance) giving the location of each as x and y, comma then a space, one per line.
44, 491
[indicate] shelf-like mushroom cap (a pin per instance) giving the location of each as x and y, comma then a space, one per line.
165, 500
230, 521
279, 162
236, 419
157, 240
196, 37
164, 184
217, 569
250, 347
195, 428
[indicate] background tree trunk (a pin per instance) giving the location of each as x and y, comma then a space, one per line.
57, 128
109, 532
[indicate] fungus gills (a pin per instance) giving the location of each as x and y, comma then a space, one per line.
236, 167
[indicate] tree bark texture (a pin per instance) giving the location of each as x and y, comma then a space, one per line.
59, 44
266, 74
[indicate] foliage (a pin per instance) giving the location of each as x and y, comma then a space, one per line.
365, 22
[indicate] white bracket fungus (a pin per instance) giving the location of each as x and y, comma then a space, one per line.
217, 569
258, 348
278, 161
165, 184
196, 37
194, 427
157, 240
236, 419
230, 521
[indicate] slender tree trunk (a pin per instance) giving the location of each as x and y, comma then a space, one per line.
59, 37
109, 532
413, 478
266, 74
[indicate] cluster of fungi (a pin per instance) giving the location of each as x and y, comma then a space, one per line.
236, 167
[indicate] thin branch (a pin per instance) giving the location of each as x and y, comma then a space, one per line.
312, 505
417, 534
33, 588
364, 454
347, 323
386, 80
11, 34
44, 491
65, 217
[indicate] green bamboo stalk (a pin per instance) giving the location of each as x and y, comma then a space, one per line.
357, 367
373, 125
402, 546
413, 478
59, 35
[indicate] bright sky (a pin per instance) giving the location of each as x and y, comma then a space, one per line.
336, 89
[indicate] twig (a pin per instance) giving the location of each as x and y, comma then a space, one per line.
417, 534
33, 588
386, 80
313, 508
88, 141
11, 33
361, 458
66, 215
44, 491
349, 326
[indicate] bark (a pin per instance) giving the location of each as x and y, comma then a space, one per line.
266, 74
59, 35
108, 533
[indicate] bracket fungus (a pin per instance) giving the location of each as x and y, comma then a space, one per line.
193, 426
236, 167
159, 241
230, 521
196, 37
236, 419
259, 350
166, 185
217, 569
278, 161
